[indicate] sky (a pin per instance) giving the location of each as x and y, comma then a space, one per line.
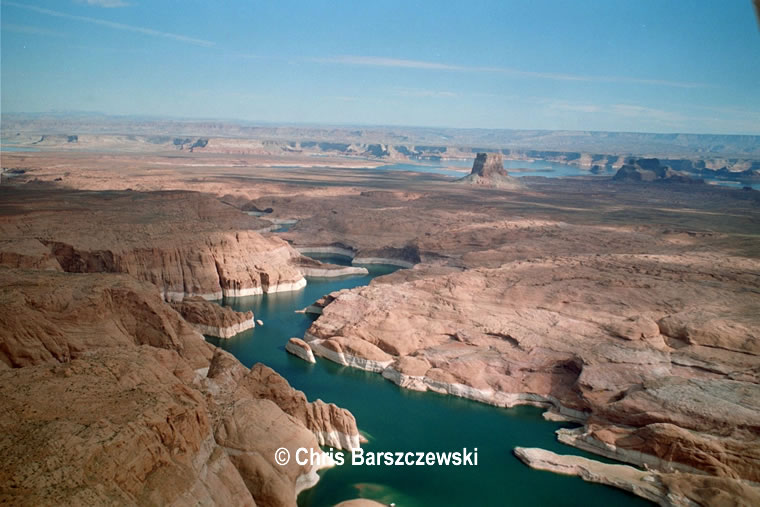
636, 65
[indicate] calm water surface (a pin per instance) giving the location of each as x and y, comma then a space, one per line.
519, 168
400, 420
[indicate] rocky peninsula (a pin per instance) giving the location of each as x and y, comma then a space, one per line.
650, 170
637, 348
187, 244
213, 320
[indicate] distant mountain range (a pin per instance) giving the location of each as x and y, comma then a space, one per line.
429, 138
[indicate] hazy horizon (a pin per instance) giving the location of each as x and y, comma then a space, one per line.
643, 67
272, 123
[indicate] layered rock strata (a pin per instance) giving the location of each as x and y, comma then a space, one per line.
665, 489
333, 426
109, 396
185, 243
488, 170
211, 319
314, 268
300, 348
650, 170
656, 355
405, 257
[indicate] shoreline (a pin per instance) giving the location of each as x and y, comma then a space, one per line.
422, 384
224, 332
176, 296
334, 273
355, 260
644, 484
575, 438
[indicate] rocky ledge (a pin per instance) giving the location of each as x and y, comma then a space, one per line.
650, 170
665, 489
185, 243
656, 355
404, 257
300, 348
314, 268
110, 396
212, 319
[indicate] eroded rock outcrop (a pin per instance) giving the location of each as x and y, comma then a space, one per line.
49, 316
109, 396
650, 170
300, 348
333, 426
606, 340
186, 244
314, 268
488, 170
212, 319
665, 489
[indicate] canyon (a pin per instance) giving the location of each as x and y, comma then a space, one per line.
630, 310
112, 397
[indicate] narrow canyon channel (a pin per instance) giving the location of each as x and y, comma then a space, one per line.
395, 419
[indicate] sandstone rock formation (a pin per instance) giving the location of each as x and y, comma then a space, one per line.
629, 308
360, 502
649, 170
187, 244
488, 170
658, 363
333, 426
300, 348
109, 396
403, 257
212, 319
51, 316
314, 268
665, 489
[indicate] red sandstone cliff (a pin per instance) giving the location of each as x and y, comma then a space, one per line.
109, 396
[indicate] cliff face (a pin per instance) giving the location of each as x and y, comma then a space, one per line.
488, 170
659, 365
51, 316
212, 319
186, 244
333, 426
109, 396
488, 165
649, 170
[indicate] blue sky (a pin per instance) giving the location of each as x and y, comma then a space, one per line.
638, 65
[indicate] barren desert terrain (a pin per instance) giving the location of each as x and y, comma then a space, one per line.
630, 309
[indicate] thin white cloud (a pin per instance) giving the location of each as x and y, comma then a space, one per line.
575, 107
618, 110
374, 61
103, 3
114, 25
31, 30
420, 92
681, 113
388, 62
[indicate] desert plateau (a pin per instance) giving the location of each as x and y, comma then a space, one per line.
627, 308
379, 254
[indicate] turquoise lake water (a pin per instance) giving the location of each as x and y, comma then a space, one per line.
396, 419
6, 147
519, 168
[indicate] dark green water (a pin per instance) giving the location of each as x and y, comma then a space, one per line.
395, 419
